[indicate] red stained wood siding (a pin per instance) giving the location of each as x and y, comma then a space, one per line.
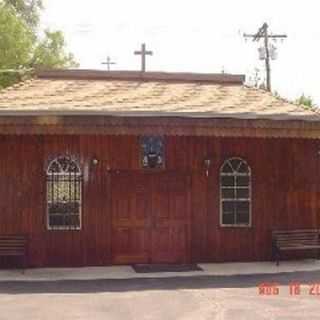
285, 193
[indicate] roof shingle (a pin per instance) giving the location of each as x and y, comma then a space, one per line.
195, 97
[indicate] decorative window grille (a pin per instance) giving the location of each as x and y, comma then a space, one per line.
152, 152
235, 193
64, 192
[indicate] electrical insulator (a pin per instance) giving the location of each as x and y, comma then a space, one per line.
273, 52
262, 53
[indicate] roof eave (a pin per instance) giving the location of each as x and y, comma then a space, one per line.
161, 114
76, 74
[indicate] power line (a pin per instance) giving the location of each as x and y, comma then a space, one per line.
263, 33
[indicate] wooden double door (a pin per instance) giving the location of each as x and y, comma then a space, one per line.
150, 217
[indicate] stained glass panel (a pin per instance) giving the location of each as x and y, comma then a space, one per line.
152, 152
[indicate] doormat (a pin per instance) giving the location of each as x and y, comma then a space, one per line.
149, 268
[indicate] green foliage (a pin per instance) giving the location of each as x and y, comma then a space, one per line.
21, 47
305, 100
8, 79
16, 40
50, 51
28, 10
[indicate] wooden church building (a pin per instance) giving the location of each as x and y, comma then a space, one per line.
100, 168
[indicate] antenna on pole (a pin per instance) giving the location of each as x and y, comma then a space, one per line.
267, 51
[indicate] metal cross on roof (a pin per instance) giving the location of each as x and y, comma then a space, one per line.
108, 63
143, 52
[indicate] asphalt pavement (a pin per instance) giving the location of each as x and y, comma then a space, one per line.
203, 297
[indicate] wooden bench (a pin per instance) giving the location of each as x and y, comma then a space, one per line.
14, 245
285, 240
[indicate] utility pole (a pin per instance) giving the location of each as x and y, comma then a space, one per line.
263, 33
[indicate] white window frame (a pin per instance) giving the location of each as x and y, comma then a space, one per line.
235, 187
78, 174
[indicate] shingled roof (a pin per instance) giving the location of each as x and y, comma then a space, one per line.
125, 93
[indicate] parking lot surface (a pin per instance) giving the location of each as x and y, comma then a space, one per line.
203, 297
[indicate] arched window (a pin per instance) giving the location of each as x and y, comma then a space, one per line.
235, 193
64, 188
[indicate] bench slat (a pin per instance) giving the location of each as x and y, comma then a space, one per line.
300, 248
16, 253
11, 245
297, 245
12, 248
296, 235
13, 242
12, 236
296, 239
284, 244
295, 231
3, 253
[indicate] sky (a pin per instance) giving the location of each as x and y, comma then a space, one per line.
194, 36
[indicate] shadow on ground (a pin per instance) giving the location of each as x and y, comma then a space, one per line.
140, 284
